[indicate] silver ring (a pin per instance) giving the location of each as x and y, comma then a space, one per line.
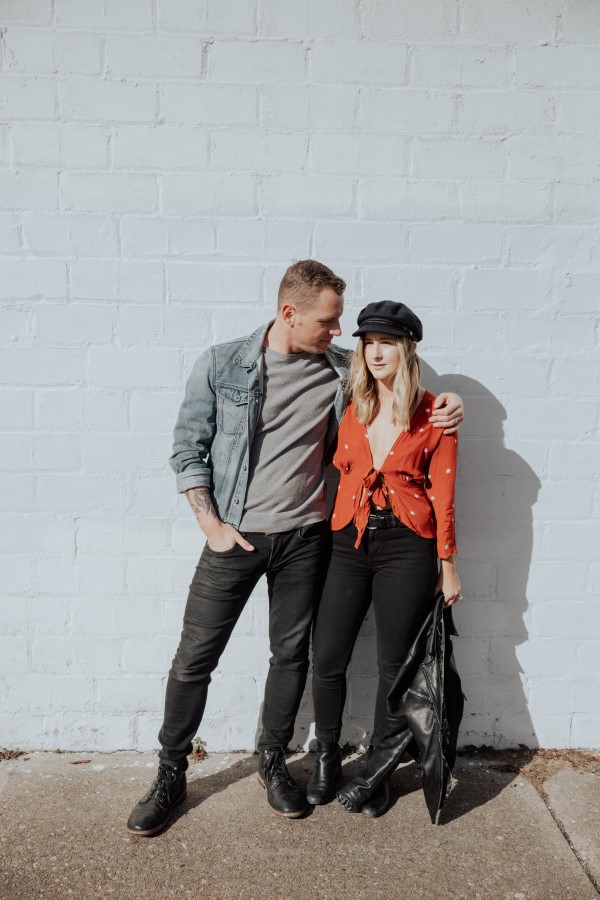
459, 596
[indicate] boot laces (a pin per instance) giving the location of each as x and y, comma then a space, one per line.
163, 783
277, 771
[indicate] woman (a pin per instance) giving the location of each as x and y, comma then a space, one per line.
393, 518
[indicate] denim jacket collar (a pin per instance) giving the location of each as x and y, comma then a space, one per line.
250, 350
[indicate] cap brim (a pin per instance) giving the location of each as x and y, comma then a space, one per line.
382, 329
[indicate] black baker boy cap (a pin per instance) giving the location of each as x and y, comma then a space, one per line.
388, 317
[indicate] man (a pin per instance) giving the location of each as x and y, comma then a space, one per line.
258, 415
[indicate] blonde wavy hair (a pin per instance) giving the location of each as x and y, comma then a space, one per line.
363, 390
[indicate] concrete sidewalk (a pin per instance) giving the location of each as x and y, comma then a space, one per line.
62, 834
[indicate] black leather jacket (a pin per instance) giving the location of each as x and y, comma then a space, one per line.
427, 690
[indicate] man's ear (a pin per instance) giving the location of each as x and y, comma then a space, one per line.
288, 314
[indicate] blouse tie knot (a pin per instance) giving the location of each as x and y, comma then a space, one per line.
374, 493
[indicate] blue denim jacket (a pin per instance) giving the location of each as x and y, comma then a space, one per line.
218, 416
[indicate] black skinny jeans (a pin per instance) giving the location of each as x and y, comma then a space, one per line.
295, 563
396, 570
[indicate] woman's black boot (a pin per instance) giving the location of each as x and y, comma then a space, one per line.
381, 763
328, 765
380, 800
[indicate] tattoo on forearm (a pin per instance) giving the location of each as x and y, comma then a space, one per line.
201, 502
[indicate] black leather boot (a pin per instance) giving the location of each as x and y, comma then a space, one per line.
328, 765
381, 762
380, 800
153, 811
284, 795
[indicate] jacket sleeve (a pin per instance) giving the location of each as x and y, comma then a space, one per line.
195, 428
441, 478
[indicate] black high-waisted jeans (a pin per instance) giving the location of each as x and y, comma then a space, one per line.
396, 570
295, 565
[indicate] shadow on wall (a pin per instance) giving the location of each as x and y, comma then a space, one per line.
496, 491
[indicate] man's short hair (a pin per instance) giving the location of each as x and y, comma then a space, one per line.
304, 281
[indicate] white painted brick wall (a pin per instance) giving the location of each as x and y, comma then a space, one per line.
160, 166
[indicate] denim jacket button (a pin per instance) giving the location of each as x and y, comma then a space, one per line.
236, 502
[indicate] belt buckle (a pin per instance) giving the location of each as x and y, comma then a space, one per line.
384, 518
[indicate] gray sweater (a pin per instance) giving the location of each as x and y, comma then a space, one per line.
286, 485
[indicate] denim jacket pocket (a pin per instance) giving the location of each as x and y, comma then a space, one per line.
232, 408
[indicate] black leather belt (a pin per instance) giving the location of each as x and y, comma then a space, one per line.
382, 518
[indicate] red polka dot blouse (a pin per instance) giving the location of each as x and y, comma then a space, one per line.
416, 480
